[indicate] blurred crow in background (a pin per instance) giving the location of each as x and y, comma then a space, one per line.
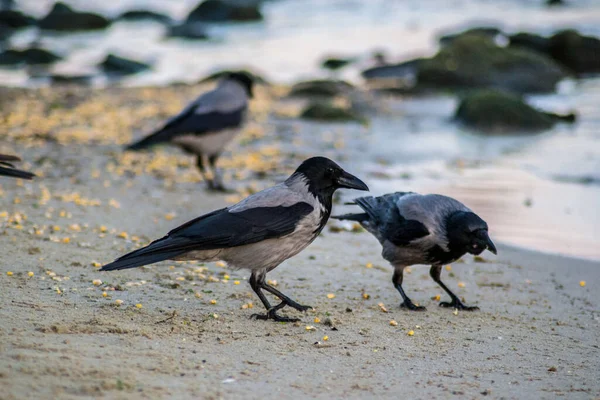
258, 233
422, 229
207, 124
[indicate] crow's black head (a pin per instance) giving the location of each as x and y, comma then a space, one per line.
468, 233
324, 177
243, 78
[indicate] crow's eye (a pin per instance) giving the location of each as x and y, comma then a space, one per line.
330, 171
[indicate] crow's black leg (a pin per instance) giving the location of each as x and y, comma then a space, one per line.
202, 169
284, 298
255, 283
217, 178
435, 272
397, 281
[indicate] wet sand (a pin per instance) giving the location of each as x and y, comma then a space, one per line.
535, 336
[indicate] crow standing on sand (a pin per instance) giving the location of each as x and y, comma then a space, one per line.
258, 233
7, 169
207, 124
422, 229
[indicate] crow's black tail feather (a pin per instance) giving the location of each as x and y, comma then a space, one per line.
16, 173
153, 139
352, 217
159, 250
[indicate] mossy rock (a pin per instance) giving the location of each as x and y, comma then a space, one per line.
474, 61
33, 56
143, 15
325, 112
189, 30
221, 10
15, 19
320, 88
489, 32
579, 53
334, 63
115, 65
495, 111
64, 18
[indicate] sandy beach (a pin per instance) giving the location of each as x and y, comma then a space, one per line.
183, 330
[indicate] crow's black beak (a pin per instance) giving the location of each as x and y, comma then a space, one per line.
349, 181
490, 245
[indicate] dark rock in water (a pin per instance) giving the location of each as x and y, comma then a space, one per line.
139, 15
405, 71
473, 61
31, 56
226, 10
334, 64
486, 31
321, 87
495, 111
61, 79
555, 3
189, 30
530, 41
15, 19
64, 18
579, 53
116, 65
256, 77
325, 112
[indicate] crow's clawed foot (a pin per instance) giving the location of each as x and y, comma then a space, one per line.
458, 305
271, 314
412, 307
299, 307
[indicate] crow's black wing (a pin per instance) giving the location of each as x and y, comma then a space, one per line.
384, 212
219, 229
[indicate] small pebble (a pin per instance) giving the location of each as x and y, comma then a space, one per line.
582, 283
30, 274
118, 302
97, 282
411, 333
331, 296
138, 305
9, 273
393, 323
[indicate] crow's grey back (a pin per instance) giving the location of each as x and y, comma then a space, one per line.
431, 210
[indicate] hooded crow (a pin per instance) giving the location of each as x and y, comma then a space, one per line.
422, 229
7, 169
259, 232
207, 124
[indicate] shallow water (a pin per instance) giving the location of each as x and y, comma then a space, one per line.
294, 36
530, 189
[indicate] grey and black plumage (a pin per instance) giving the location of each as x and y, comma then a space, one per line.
258, 233
8, 169
207, 124
422, 229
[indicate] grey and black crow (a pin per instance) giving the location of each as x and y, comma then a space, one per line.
423, 229
7, 169
259, 232
207, 124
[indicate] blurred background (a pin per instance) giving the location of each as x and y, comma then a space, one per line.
496, 103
